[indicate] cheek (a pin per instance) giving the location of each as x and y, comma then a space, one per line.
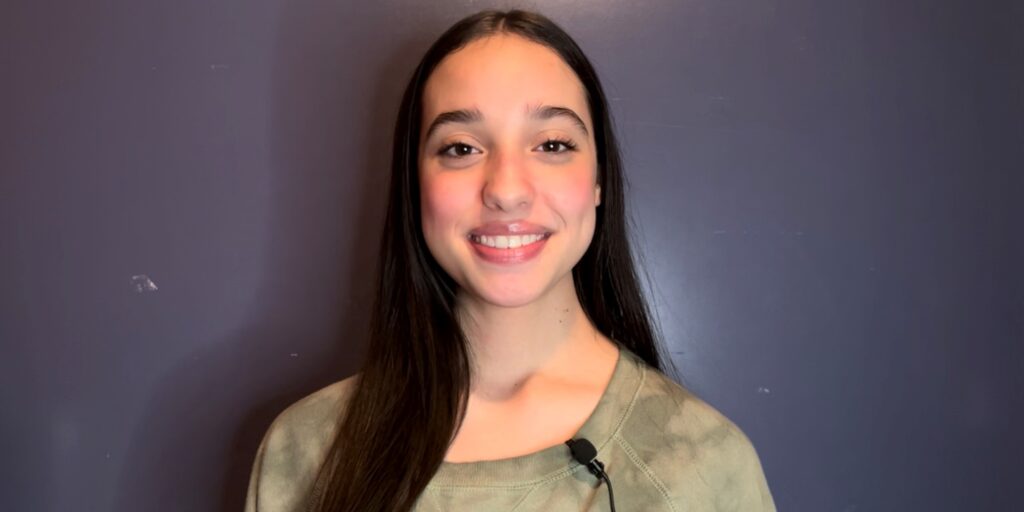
443, 203
574, 194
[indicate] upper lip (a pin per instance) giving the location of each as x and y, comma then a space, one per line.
519, 227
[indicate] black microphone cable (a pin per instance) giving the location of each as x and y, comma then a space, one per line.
584, 453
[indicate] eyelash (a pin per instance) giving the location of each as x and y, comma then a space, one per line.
569, 146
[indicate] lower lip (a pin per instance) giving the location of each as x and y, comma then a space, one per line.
509, 256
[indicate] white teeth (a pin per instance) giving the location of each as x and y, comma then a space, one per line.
506, 242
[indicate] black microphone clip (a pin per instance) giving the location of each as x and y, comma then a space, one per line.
585, 453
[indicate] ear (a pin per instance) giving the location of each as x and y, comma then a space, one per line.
597, 195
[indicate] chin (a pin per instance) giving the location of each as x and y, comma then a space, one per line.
510, 293
509, 298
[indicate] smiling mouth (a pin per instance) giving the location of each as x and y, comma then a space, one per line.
508, 241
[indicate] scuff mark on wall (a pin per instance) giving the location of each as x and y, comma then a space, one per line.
143, 283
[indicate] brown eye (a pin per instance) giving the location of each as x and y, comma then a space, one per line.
456, 150
556, 146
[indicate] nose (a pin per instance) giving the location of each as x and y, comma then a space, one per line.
507, 186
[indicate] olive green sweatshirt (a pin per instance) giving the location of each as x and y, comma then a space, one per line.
663, 449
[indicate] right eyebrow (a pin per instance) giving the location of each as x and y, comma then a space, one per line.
454, 116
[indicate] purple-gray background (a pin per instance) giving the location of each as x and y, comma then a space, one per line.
829, 198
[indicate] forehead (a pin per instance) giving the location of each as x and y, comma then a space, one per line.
502, 74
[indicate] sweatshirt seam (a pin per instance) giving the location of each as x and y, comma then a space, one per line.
646, 470
629, 408
523, 498
561, 473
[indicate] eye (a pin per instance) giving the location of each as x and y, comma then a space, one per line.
456, 150
554, 145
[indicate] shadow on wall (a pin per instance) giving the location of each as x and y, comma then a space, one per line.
196, 441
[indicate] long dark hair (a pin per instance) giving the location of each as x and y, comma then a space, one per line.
410, 397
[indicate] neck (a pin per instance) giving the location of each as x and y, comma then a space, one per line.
513, 346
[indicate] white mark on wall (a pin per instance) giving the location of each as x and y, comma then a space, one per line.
294, 354
143, 283
763, 390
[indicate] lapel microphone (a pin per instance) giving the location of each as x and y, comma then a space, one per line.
584, 453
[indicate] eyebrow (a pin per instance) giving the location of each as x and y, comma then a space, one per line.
473, 115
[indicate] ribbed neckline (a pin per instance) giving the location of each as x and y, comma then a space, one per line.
554, 462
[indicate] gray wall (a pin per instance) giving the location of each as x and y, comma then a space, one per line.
828, 196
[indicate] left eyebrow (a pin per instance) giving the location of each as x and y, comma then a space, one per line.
472, 116
544, 112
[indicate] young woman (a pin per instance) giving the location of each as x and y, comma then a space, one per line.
509, 333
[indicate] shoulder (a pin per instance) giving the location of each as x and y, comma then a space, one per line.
317, 412
293, 448
701, 457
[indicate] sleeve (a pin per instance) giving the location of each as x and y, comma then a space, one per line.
284, 471
752, 493
252, 495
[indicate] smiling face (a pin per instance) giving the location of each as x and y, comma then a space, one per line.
506, 147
